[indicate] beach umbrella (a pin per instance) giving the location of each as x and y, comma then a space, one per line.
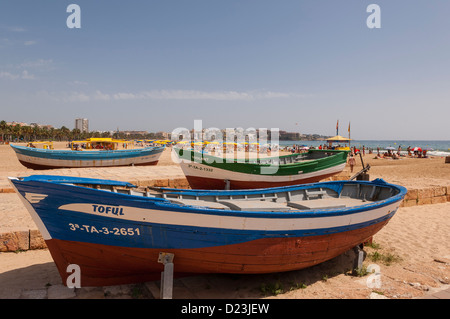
338, 138
417, 149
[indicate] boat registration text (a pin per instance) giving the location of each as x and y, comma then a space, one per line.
130, 231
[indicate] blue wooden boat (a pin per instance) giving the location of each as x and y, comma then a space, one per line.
115, 231
37, 158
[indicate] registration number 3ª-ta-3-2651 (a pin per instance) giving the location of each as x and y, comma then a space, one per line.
130, 231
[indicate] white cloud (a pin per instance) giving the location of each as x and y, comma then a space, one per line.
170, 95
76, 97
99, 96
7, 75
76, 82
17, 29
39, 63
199, 95
30, 42
27, 76
11, 76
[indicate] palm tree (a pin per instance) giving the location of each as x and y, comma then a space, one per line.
64, 132
26, 132
106, 134
76, 134
37, 132
3, 127
52, 133
16, 131
45, 133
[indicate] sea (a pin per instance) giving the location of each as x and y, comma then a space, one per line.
434, 148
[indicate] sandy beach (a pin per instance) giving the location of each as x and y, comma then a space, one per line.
412, 253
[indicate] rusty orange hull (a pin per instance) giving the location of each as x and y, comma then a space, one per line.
103, 265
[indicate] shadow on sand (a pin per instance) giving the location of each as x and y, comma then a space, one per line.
212, 286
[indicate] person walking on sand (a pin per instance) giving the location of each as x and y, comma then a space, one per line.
351, 162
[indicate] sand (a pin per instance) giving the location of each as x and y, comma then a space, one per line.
416, 239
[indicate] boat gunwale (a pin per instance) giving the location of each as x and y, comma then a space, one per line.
250, 162
87, 152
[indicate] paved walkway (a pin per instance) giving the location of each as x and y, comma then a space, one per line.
441, 294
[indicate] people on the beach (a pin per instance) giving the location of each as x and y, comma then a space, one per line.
351, 162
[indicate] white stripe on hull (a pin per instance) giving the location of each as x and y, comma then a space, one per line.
204, 171
88, 163
237, 222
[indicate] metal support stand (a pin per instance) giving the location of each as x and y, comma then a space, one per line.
358, 262
362, 174
166, 290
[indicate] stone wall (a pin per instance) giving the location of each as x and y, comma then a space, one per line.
21, 240
429, 195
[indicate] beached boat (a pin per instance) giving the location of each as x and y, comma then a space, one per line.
37, 158
204, 171
115, 231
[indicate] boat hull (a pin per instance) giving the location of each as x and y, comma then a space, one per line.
202, 176
117, 238
103, 265
52, 159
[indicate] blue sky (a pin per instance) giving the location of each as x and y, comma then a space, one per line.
294, 65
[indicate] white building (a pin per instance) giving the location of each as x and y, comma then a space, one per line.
82, 125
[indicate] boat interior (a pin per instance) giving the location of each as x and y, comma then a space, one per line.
297, 157
273, 200
311, 155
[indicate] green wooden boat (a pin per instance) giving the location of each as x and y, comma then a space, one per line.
204, 171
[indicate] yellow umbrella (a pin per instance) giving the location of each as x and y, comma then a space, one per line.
338, 138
